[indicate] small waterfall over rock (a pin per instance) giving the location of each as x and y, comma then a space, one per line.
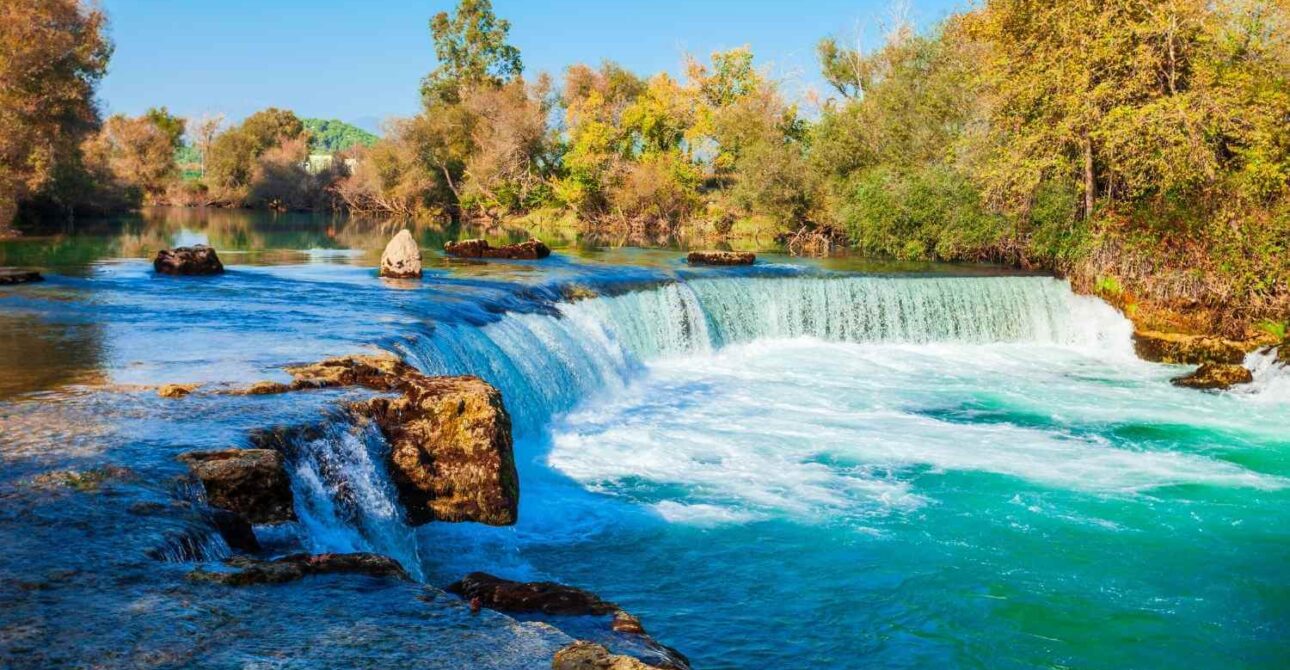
545, 364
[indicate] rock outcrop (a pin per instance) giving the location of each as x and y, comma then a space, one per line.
531, 250
176, 390
555, 599
505, 595
721, 258
1215, 376
250, 482
18, 276
401, 258
297, 566
451, 456
195, 260
583, 655
1186, 349
235, 529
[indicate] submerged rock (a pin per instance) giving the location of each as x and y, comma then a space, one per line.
531, 250
18, 276
176, 390
1215, 376
85, 481
451, 456
401, 258
583, 655
297, 566
1186, 349
263, 388
195, 260
235, 529
505, 595
721, 258
250, 482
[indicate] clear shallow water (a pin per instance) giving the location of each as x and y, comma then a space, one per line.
778, 467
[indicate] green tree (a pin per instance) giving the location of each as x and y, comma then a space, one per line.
471, 47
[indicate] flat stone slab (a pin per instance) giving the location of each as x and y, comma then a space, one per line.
18, 276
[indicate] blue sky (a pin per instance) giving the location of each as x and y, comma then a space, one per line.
362, 61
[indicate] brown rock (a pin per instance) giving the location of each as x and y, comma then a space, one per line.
297, 566
381, 373
583, 655
721, 258
451, 455
235, 529
401, 258
627, 623
505, 595
18, 276
1186, 349
194, 260
1215, 376
251, 482
263, 388
531, 250
176, 390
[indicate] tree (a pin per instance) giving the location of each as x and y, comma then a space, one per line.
203, 131
134, 153
173, 126
471, 47
232, 159
52, 55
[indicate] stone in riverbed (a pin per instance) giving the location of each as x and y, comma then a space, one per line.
176, 390
451, 456
235, 529
583, 655
531, 250
250, 482
1215, 376
401, 258
297, 566
1185, 349
195, 260
721, 258
381, 373
505, 595
18, 276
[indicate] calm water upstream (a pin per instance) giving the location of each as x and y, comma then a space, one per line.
798, 464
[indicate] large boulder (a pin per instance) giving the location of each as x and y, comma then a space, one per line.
297, 566
250, 482
401, 258
505, 595
584, 655
721, 258
1186, 349
531, 250
18, 276
195, 260
1215, 376
451, 456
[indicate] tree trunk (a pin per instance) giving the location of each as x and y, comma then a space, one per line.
1089, 183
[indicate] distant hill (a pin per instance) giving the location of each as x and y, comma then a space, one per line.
330, 135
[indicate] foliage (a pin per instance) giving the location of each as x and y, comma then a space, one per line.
329, 136
52, 55
134, 153
471, 47
232, 160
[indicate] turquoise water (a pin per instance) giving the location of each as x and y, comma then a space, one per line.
793, 465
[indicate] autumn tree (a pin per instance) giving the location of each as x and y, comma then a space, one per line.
134, 153
52, 55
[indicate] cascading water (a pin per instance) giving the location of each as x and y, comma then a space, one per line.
544, 365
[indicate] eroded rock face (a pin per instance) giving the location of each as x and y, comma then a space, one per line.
402, 257
1186, 349
1215, 376
721, 258
531, 250
583, 655
451, 456
381, 373
235, 529
194, 260
505, 595
297, 566
250, 482
18, 275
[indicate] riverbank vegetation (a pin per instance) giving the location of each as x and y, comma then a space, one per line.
1141, 148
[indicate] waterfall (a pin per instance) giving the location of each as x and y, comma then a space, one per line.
545, 364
